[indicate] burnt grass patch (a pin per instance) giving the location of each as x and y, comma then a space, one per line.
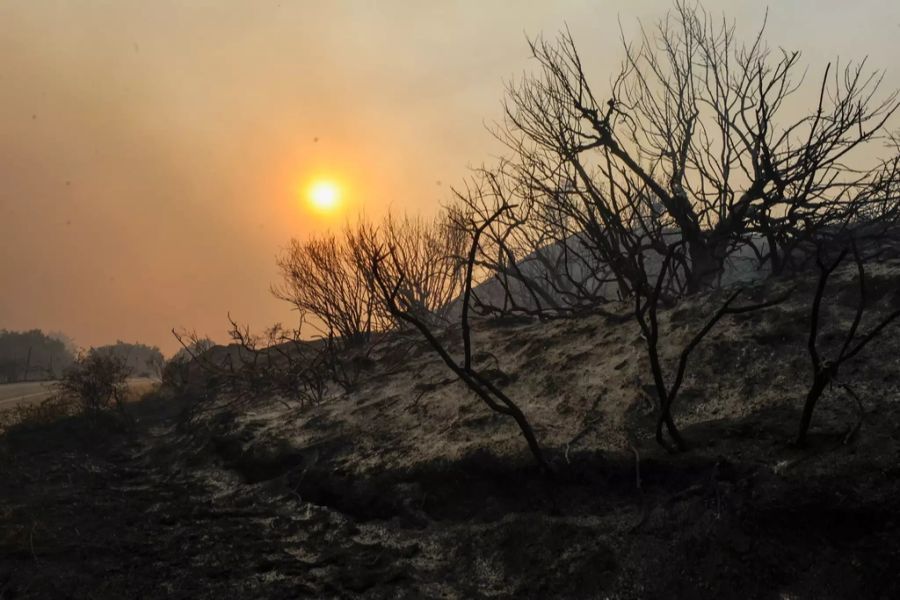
144, 511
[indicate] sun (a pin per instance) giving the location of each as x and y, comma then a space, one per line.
324, 195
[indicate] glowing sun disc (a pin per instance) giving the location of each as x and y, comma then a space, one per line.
324, 195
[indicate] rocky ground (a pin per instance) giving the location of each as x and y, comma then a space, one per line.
408, 487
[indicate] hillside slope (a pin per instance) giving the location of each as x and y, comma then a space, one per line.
586, 385
409, 487
411, 447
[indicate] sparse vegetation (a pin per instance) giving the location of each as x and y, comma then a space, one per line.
385, 259
646, 313
825, 370
692, 143
253, 368
329, 281
140, 359
428, 256
689, 177
689, 167
97, 380
40, 414
322, 279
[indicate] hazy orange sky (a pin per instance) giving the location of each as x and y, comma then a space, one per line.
151, 151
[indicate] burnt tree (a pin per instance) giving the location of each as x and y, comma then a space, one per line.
646, 313
825, 370
487, 391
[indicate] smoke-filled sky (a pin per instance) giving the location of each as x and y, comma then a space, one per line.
153, 155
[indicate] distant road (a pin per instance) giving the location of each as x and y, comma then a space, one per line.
14, 394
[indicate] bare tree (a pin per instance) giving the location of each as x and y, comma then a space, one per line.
825, 371
530, 266
321, 278
690, 161
329, 280
427, 253
693, 142
646, 313
385, 260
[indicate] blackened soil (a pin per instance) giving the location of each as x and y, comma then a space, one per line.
137, 510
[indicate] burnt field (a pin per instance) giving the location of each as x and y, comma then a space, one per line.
408, 487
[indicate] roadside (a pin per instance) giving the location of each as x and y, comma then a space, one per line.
33, 392
13, 394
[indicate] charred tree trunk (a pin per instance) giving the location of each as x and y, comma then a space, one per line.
820, 381
490, 394
705, 267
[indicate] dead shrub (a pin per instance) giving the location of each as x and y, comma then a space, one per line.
96, 380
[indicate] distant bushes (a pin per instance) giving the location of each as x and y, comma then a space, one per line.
96, 380
142, 360
176, 373
93, 384
37, 356
32, 356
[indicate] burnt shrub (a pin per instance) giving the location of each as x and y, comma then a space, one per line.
96, 380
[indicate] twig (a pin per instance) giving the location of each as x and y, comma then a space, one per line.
637, 466
31, 542
861, 414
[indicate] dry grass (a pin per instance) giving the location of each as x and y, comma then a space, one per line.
58, 407
41, 413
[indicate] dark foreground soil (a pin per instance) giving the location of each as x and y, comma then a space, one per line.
142, 510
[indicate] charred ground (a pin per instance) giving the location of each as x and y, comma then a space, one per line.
409, 487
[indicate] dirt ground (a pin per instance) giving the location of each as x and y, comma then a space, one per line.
408, 487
